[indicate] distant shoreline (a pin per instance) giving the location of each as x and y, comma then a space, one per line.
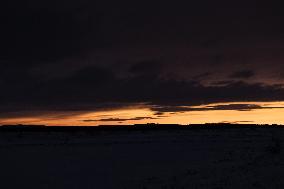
44, 128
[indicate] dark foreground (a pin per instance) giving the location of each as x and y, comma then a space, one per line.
226, 157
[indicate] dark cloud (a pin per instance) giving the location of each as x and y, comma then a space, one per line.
52, 114
222, 83
89, 55
244, 74
119, 119
96, 87
160, 110
202, 76
149, 68
238, 107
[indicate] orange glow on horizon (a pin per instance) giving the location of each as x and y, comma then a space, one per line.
270, 113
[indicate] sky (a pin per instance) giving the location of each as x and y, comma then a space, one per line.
123, 62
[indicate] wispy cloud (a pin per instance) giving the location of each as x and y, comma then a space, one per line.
119, 119
159, 110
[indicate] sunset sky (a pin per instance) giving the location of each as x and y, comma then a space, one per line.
69, 62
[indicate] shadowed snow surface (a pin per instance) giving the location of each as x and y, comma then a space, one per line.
229, 158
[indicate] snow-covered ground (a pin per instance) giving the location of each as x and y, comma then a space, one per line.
215, 158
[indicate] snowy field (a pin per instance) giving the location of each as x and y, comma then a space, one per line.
206, 158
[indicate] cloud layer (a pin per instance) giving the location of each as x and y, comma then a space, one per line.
86, 56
